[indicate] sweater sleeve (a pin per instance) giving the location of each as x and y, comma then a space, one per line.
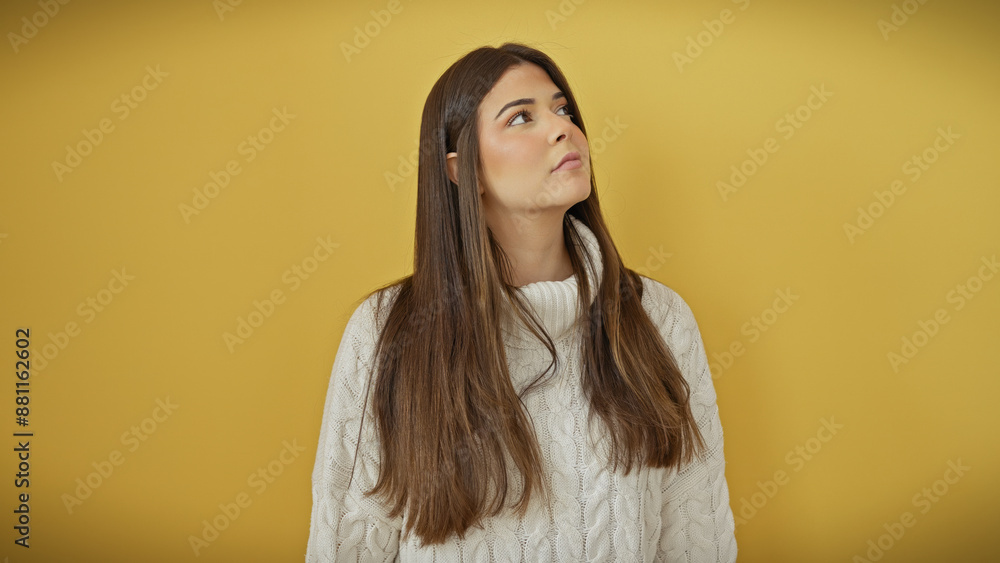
697, 521
345, 525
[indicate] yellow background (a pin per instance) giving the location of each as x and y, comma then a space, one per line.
324, 175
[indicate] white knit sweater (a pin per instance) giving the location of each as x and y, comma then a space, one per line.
594, 514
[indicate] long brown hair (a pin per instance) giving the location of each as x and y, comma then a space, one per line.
448, 418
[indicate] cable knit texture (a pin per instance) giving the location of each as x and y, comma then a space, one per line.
594, 514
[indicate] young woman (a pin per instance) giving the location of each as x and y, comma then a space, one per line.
522, 396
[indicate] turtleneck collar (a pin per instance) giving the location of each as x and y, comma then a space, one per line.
555, 302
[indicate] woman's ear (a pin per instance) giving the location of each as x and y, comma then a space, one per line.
451, 163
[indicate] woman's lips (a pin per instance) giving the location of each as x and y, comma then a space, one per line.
569, 162
569, 165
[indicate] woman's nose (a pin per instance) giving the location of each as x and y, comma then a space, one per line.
560, 127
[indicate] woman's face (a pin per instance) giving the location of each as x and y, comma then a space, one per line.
525, 130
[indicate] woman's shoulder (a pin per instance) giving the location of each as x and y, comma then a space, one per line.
361, 333
668, 310
662, 299
372, 309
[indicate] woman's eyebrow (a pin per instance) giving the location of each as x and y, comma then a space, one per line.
525, 101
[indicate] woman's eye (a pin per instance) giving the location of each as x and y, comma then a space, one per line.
525, 113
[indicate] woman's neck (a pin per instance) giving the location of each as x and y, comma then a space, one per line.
536, 247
